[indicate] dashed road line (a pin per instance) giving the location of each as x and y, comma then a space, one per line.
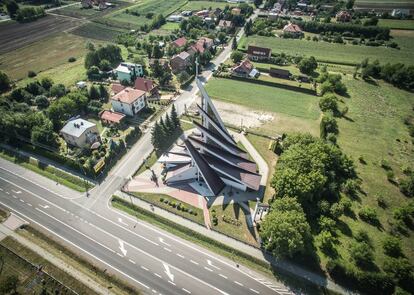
119, 254
21, 200
166, 249
186, 291
8, 193
153, 291
179, 255
30, 205
238, 283
132, 261
253, 290
144, 268
209, 269
157, 275
172, 283
194, 262
223, 276
13, 196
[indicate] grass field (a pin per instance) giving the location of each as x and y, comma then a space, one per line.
170, 26
335, 53
265, 98
34, 58
98, 31
125, 20
199, 5
79, 12
396, 24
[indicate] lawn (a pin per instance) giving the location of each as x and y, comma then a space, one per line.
264, 98
199, 5
79, 12
335, 53
33, 57
397, 24
169, 26
123, 19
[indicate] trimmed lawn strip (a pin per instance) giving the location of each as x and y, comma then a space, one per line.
235, 255
50, 172
151, 159
27, 272
116, 285
155, 199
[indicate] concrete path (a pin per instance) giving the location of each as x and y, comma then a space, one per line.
80, 276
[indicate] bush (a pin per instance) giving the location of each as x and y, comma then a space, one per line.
337, 210
407, 186
328, 103
381, 202
350, 187
369, 215
361, 254
72, 59
392, 246
31, 74
363, 237
390, 176
399, 268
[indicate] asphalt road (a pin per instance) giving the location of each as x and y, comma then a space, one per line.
148, 257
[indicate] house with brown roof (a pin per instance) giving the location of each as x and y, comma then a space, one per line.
292, 30
202, 45
280, 73
258, 53
129, 101
225, 24
236, 11
180, 42
147, 85
343, 16
111, 118
245, 69
116, 88
180, 62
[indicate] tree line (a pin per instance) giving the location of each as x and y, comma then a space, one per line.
164, 129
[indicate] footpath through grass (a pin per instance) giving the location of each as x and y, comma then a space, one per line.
50, 172
94, 272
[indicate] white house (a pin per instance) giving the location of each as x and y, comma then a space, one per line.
80, 133
129, 71
175, 18
129, 101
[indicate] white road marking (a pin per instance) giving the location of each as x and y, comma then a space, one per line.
153, 291
168, 272
132, 261
1, 189
179, 255
144, 268
166, 249
162, 241
13, 196
211, 264
186, 291
21, 200
122, 247
192, 261
119, 254
8, 193
223, 276
209, 269
30, 205
172, 283
80, 248
240, 284
157, 275
16, 192
122, 222
253, 290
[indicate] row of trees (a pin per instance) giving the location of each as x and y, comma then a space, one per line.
164, 129
103, 57
25, 14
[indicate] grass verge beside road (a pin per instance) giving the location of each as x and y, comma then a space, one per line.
23, 265
113, 283
50, 172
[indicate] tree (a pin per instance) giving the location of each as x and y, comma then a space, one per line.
349, 4
94, 93
157, 52
4, 82
183, 77
12, 8
248, 28
392, 246
328, 125
58, 90
104, 65
157, 136
41, 101
361, 254
308, 65
103, 92
9, 284
285, 232
328, 103
234, 43
42, 130
164, 126
93, 73
169, 124
237, 56
221, 37
174, 117
400, 269
46, 83
325, 241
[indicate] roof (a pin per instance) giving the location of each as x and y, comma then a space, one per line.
77, 127
233, 159
183, 55
258, 51
245, 66
180, 42
225, 23
279, 71
211, 178
144, 84
128, 95
292, 28
116, 88
343, 13
199, 45
123, 69
112, 116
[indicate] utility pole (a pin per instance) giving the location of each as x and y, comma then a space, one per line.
197, 64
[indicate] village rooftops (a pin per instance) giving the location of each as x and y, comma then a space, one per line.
77, 127
259, 51
128, 95
116, 88
144, 84
180, 42
183, 55
292, 28
110, 116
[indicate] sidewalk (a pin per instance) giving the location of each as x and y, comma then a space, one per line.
286, 266
80, 276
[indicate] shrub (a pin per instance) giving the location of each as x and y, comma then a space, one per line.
407, 186
325, 241
390, 176
363, 237
350, 187
361, 254
329, 103
31, 74
399, 268
346, 204
385, 164
336, 210
71, 59
392, 246
327, 224
369, 215
381, 202
161, 200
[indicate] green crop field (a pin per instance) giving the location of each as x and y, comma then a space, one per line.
30, 58
98, 31
126, 20
397, 24
336, 53
80, 12
265, 98
199, 5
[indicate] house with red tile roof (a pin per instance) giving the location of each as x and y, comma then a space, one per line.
116, 88
293, 30
147, 85
111, 118
202, 45
343, 16
180, 42
180, 62
245, 69
129, 101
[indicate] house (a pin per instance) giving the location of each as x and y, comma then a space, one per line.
81, 84
203, 13
400, 12
186, 13
180, 42
147, 85
112, 118
80, 133
116, 88
293, 30
129, 101
128, 71
245, 69
258, 53
217, 12
202, 44
225, 24
343, 16
175, 18
280, 73
236, 11
180, 62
